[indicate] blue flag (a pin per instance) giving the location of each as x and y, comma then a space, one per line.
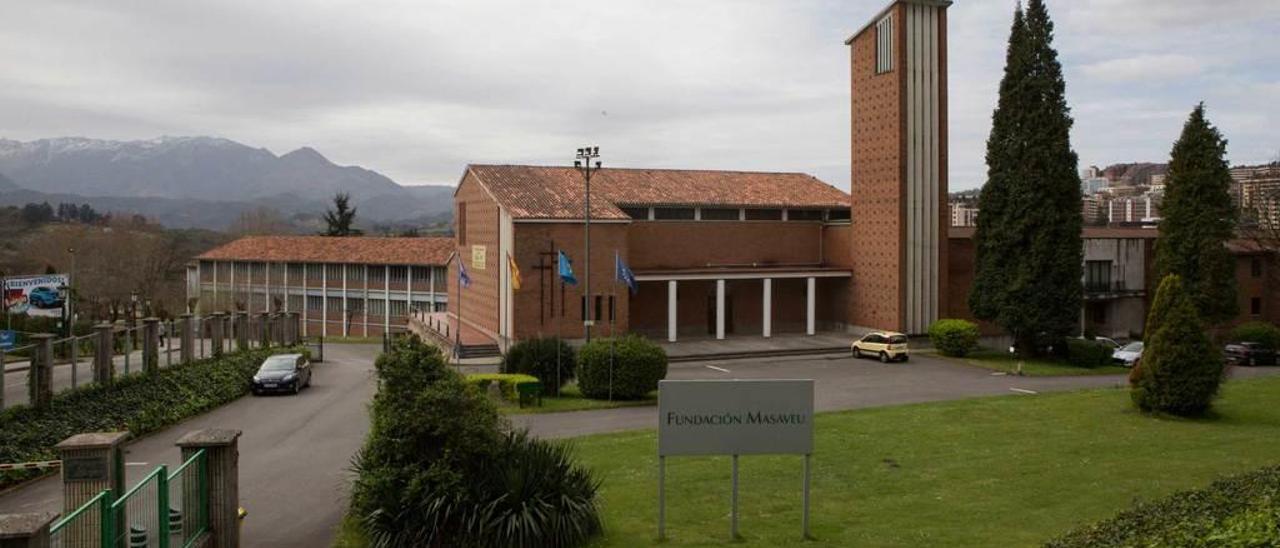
624, 274
566, 270
463, 278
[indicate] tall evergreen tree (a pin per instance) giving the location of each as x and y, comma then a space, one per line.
341, 217
1198, 219
1028, 248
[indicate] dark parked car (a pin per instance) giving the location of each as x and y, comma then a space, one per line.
282, 373
1249, 353
45, 297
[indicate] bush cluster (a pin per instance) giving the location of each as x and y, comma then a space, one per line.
138, 403
537, 357
1181, 369
439, 468
1242, 510
1264, 333
508, 383
637, 366
954, 338
1089, 354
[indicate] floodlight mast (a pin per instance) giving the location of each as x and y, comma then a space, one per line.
583, 164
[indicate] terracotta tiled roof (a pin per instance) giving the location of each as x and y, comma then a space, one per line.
541, 192
324, 249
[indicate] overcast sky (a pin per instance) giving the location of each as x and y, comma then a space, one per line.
417, 89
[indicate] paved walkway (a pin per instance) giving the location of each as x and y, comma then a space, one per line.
710, 347
842, 383
294, 453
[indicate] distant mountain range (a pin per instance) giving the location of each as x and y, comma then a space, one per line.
201, 181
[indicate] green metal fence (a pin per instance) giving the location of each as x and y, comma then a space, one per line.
162, 510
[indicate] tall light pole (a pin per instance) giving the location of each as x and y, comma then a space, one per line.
583, 162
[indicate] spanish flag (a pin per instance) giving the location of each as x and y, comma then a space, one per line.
515, 272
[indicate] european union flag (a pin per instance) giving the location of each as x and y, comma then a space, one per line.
463, 278
566, 270
624, 274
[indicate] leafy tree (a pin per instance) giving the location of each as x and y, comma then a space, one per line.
1199, 218
1181, 368
341, 217
1028, 247
37, 214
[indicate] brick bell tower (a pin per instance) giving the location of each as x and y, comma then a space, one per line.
899, 167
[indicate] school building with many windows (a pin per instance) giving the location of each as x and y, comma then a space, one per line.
341, 286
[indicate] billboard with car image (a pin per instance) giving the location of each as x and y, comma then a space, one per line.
43, 296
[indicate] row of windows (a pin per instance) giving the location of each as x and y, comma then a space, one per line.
734, 214
296, 271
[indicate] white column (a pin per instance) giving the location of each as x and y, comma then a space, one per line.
266, 286
671, 310
324, 294
233, 284
408, 290
286, 287
386, 298
365, 308
719, 309
432, 307
345, 311
768, 307
810, 305
306, 298
213, 308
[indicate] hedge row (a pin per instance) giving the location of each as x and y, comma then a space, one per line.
507, 382
1089, 354
137, 403
1241, 510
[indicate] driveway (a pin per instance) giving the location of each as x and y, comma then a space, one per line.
841, 383
294, 453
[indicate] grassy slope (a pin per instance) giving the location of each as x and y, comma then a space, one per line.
1005, 471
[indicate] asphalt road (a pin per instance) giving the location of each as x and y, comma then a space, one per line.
294, 453
842, 382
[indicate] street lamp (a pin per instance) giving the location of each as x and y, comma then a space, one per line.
583, 164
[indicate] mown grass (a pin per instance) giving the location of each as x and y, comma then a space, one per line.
1002, 471
571, 399
1034, 367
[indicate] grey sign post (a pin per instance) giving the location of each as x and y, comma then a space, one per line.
734, 417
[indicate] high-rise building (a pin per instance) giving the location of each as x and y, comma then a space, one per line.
899, 166
1259, 194
964, 214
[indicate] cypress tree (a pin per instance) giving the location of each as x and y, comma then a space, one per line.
1198, 219
1181, 369
1028, 249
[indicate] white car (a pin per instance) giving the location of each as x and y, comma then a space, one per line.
1128, 354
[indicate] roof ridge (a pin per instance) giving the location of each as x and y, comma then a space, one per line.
694, 170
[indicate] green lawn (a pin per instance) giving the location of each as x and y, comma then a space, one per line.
1040, 367
571, 399
1001, 471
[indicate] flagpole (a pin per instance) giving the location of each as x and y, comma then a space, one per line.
457, 333
613, 302
553, 309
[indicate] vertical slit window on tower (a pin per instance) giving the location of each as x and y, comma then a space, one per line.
884, 45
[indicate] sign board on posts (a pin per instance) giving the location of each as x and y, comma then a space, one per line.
8, 339
735, 417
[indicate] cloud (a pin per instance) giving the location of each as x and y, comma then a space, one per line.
1146, 67
417, 89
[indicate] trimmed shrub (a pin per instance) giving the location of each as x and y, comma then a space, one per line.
1088, 354
954, 338
1264, 333
638, 365
537, 357
507, 383
139, 403
1240, 510
1181, 368
438, 469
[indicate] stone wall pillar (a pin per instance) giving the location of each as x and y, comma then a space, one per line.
216, 327
40, 375
187, 338
26, 530
223, 453
242, 330
90, 463
151, 345
104, 369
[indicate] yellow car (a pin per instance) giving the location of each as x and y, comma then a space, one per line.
886, 345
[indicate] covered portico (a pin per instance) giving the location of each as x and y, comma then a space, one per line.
736, 301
